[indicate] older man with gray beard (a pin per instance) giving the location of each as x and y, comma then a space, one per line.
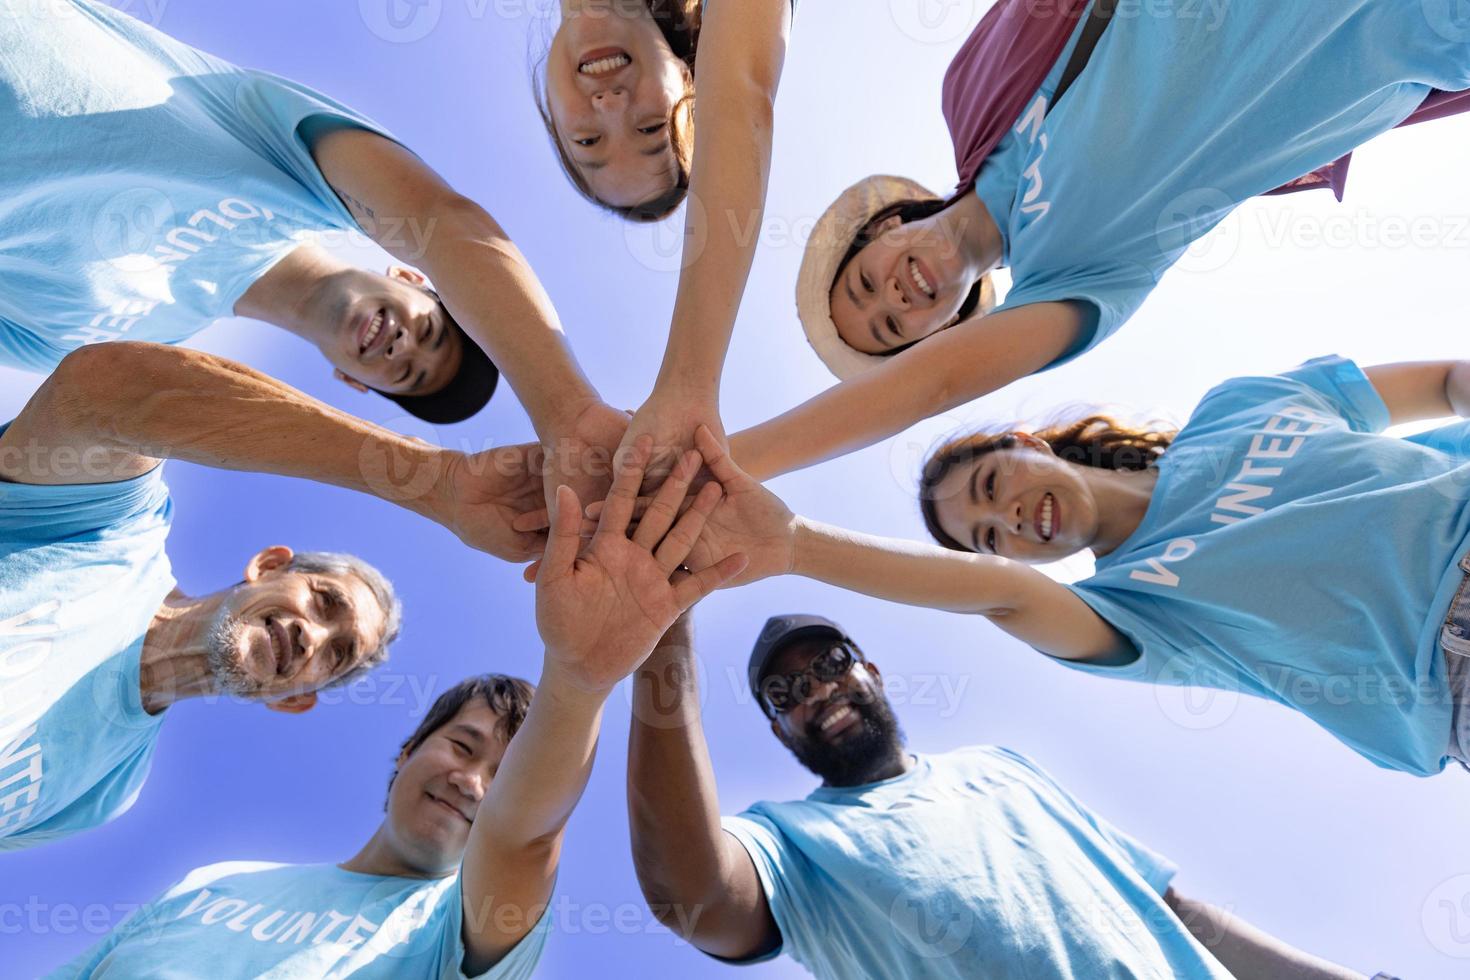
96, 641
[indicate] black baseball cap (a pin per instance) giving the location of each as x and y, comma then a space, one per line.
780, 632
467, 393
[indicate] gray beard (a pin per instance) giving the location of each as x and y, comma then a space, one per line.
224, 664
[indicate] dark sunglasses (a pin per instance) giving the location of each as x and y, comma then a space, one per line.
783, 692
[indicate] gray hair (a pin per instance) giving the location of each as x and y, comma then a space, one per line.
334, 563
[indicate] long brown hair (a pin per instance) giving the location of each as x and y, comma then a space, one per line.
1095, 440
679, 21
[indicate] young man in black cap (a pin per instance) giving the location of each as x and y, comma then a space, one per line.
955, 865
148, 189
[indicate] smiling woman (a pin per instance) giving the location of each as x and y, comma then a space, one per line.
616, 92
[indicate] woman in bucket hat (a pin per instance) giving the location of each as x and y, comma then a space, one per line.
1093, 147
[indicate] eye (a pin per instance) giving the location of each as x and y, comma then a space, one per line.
344, 655
990, 487
407, 370
867, 283
588, 141
894, 328
990, 540
327, 600
655, 128
460, 746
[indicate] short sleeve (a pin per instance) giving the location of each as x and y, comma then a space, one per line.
35, 513
774, 865
1152, 867
1343, 385
1109, 298
283, 120
518, 964
1453, 440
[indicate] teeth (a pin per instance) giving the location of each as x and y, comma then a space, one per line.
1046, 527
373, 328
919, 279
839, 715
605, 65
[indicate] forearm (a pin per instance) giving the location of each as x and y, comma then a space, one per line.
909, 572
673, 806
174, 403
545, 769
490, 289
1247, 952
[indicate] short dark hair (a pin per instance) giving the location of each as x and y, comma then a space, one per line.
509, 697
916, 209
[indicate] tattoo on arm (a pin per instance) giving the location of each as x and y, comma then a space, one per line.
358, 209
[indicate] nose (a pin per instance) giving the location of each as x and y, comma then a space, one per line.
610, 100
895, 294
310, 636
470, 782
402, 343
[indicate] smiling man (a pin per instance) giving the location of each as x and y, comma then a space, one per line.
96, 641
951, 865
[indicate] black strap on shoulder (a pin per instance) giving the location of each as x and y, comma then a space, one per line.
1092, 32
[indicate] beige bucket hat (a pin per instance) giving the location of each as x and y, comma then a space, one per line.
830, 241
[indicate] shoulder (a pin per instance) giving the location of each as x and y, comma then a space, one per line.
215, 874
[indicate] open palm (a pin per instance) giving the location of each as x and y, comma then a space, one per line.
601, 609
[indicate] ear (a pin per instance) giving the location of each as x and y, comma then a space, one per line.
352, 383
1033, 442
873, 669
404, 273
294, 705
275, 557
779, 733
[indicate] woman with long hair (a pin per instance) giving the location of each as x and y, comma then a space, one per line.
1279, 544
617, 93
1093, 145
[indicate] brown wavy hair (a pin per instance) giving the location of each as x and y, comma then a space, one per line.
679, 21
1097, 440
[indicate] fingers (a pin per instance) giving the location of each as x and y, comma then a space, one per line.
717, 458
621, 499
529, 572
532, 521
565, 538
676, 545
656, 519
694, 587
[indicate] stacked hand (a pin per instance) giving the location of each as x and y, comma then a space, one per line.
602, 606
494, 501
671, 419
583, 456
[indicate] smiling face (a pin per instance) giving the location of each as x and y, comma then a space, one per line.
843, 729
281, 635
1018, 501
612, 88
438, 786
386, 332
908, 283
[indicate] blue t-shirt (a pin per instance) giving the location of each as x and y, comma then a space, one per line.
82, 573
1181, 116
1291, 552
144, 185
299, 922
974, 863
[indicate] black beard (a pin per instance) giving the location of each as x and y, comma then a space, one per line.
862, 754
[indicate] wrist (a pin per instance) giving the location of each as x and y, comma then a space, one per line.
745, 449
571, 688
412, 474
566, 415
806, 537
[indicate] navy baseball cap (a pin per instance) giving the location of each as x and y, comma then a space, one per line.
467, 393
780, 632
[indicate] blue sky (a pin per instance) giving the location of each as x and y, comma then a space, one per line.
1265, 814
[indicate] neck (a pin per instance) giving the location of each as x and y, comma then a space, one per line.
174, 665
380, 857
573, 8
286, 295
889, 767
968, 222
1122, 499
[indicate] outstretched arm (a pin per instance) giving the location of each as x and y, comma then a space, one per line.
941, 373
741, 52
1423, 390
698, 880
1247, 952
110, 412
599, 612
